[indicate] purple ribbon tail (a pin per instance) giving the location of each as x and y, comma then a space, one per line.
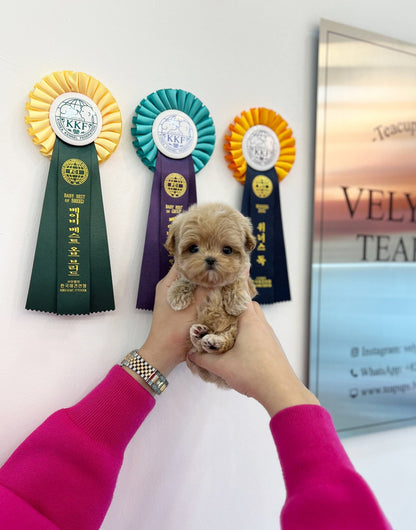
173, 191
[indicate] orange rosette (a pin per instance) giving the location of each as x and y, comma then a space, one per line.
234, 142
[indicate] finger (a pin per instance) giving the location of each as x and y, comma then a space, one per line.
170, 277
259, 312
204, 360
253, 310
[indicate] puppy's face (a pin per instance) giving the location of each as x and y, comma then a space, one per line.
211, 244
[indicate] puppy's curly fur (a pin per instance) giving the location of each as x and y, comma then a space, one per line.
211, 245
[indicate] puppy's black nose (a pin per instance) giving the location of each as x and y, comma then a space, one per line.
210, 261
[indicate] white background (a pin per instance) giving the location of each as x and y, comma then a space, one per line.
204, 458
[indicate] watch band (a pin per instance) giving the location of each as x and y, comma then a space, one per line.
147, 372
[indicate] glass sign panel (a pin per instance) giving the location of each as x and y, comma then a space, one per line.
363, 292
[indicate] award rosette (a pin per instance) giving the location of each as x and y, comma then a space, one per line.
174, 136
260, 152
77, 123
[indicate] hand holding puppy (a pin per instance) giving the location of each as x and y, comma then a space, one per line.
167, 344
256, 366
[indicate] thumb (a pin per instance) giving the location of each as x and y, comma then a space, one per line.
220, 365
204, 360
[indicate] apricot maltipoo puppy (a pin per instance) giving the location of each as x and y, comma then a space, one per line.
211, 245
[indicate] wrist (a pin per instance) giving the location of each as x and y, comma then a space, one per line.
156, 357
139, 380
279, 394
273, 406
164, 357
144, 372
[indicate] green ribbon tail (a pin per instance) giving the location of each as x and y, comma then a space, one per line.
42, 288
71, 272
102, 295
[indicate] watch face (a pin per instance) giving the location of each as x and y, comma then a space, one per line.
261, 147
75, 118
174, 134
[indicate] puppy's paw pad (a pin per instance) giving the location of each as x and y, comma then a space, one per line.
212, 343
198, 331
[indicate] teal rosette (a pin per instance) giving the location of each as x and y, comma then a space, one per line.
172, 99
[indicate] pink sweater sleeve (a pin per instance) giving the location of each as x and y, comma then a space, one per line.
323, 489
64, 474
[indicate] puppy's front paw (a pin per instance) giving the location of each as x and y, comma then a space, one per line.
177, 303
196, 333
180, 294
235, 298
238, 304
212, 343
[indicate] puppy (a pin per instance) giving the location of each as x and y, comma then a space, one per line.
211, 245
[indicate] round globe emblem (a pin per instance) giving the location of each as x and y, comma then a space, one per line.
75, 118
74, 171
175, 185
262, 186
174, 134
261, 147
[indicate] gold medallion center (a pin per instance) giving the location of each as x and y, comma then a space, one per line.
175, 185
74, 171
262, 186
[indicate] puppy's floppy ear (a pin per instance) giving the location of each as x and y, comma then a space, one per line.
171, 239
251, 242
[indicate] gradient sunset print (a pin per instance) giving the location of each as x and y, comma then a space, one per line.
366, 140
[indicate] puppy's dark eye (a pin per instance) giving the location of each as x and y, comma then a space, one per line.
193, 249
227, 250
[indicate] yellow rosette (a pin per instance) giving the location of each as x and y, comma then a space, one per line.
260, 151
240, 126
77, 124
57, 83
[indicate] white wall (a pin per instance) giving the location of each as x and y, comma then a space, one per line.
204, 459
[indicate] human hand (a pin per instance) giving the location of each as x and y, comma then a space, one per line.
257, 366
168, 341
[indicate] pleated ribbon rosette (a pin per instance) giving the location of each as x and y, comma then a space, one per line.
174, 136
77, 123
261, 151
